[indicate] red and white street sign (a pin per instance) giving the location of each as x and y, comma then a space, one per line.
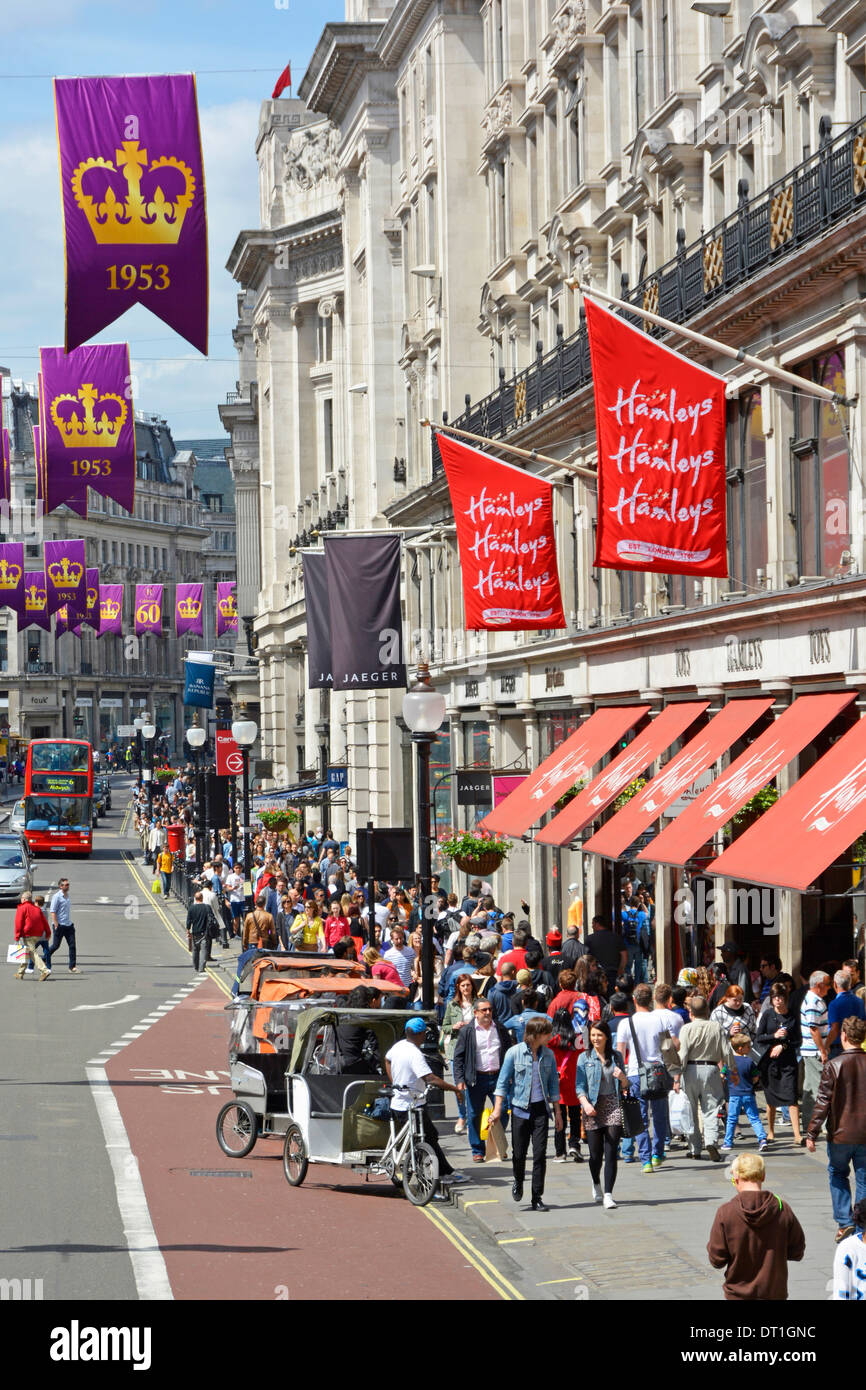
229, 758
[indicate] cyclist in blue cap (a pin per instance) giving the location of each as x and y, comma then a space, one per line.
408, 1069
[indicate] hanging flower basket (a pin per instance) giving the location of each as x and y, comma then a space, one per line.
474, 852
478, 867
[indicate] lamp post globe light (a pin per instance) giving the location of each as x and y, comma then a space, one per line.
423, 713
148, 733
244, 733
195, 737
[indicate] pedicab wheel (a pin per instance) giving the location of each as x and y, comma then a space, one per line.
236, 1128
295, 1160
421, 1178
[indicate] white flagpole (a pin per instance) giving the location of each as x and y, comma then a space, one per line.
768, 368
531, 454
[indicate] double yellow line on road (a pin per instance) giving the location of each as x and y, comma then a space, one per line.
160, 911
488, 1271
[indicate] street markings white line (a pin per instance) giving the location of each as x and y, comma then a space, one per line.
148, 1264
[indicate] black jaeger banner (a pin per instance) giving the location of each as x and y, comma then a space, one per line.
366, 620
318, 622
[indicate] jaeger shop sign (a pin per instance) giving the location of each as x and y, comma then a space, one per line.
474, 789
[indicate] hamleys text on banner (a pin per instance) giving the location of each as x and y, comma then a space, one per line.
660, 422
505, 533
133, 203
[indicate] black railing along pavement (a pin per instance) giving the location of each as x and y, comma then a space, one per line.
793, 211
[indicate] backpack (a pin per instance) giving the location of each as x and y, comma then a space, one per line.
585, 1010
563, 1029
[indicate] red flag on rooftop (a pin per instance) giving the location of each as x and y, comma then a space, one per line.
284, 80
660, 421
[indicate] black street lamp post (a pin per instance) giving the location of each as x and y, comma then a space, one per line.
244, 733
195, 737
138, 725
148, 733
423, 712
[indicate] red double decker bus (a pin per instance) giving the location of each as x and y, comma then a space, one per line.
58, 796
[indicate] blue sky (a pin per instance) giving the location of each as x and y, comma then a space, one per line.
237, 48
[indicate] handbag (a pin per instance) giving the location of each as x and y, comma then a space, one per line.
156, 887
16, 954
632, 1118
654, 1080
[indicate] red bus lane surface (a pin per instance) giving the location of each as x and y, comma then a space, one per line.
255, 1237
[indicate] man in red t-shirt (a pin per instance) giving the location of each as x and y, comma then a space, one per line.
30, 928
517, 954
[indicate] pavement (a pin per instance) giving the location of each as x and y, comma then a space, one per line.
653, 1245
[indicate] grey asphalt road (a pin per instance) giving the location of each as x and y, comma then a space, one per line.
61, 1222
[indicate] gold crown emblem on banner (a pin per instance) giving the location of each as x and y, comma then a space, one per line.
134, 221
10, 575
92, 597
109, 608
35, 599
227, 607
76, 432
188, 608
65, 574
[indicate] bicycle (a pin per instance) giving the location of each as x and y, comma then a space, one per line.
408, 1153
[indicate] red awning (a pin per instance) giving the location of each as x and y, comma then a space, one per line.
572, 760
810, 826
754, 768
701, 752
659, 734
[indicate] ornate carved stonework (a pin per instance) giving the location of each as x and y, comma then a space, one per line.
567, 26
329, 306
315, 263
310, 156
498, 115
297, 314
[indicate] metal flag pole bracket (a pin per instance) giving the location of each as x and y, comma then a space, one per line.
531, 455
714, 345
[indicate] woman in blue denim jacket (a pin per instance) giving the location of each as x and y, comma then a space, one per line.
600, 1081
529, 1083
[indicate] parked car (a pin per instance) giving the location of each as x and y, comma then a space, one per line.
16, 820
16, 869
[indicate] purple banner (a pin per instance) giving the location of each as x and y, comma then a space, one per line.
92, 615
188, 601
63, 622
66, 575
35, 601
133, 203
148, 609
88, 425
5, 495
12, 576
226, 608
77, 499
110, 610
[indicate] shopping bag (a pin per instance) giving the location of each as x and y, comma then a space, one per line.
483, 1128
497, 1141
156, 887
15, 953
679, 1113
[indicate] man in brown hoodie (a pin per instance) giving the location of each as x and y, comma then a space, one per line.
754, 1236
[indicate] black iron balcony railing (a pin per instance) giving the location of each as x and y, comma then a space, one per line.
796, 209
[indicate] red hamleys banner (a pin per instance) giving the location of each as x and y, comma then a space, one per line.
504, 519
661, 454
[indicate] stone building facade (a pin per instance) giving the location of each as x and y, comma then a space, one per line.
710, 165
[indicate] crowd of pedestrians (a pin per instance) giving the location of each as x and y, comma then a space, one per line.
577, 1035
